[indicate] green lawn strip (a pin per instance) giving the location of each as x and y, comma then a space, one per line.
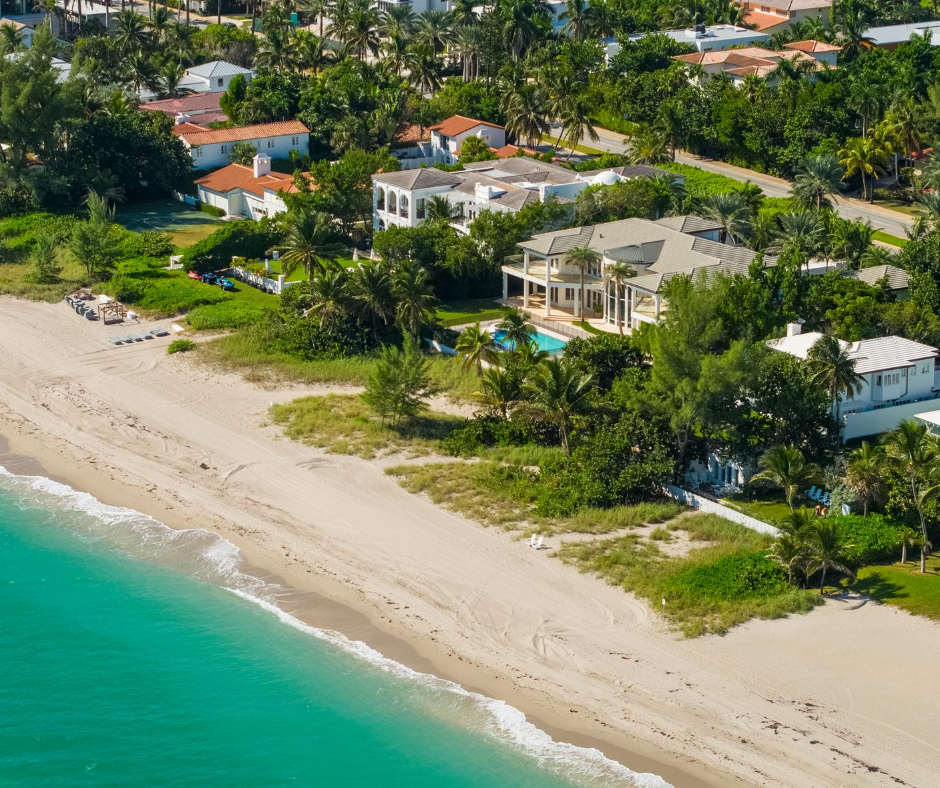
455, 313
890, 239
186, 225
902, 585
768, 508
583, 324
344, 424
909, 209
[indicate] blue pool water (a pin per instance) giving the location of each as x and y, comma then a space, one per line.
137, 656
542, 342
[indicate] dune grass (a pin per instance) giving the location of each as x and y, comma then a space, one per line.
604, 521
903, 586
711, 589
14, 280
344, 424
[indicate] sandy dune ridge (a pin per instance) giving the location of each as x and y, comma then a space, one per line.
845, 696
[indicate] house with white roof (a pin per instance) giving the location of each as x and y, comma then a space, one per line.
705, 38
213, 147
250, 192
213, 77
900, 379
892, 36
399, 198
655, 251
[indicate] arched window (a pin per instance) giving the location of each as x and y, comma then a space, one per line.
380, 198
392, 203
403, 207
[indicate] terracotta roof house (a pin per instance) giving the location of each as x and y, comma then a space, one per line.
253, 192
739, 63
200, 109
213, 147
774, 16
448, 136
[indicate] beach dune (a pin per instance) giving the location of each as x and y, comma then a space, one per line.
844, 696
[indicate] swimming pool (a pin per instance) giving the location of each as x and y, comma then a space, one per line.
544, 342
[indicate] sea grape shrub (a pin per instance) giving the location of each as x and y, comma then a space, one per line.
148, 243
225, 314
488, 431
748, 575
605, 357
306, 340
243, 237
869, 540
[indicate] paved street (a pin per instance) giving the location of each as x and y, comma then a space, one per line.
883, 219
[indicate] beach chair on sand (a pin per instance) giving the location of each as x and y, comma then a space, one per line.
811, 492
115, 340
538, 543
160, 331
531, 542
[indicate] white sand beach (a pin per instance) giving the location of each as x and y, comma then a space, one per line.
845, 696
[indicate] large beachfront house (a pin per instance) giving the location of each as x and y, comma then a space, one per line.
736, 64
900, 379
399, 198
251, 192
213, 147
655, 251
776, 16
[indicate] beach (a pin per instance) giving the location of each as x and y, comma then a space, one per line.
843, 696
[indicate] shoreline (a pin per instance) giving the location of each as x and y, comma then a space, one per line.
805, 700
311, 606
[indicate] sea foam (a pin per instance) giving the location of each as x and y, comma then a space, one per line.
210, 557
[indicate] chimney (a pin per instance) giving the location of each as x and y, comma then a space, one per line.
182, 118
262, 164
794, 329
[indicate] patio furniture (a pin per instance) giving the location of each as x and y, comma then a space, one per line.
531, 542
538, 544
811, 492
159, 332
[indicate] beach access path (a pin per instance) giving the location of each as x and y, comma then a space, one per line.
844, 696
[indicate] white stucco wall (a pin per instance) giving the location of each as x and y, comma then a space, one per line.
873, 422
217, 154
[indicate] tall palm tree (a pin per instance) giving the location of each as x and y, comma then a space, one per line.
359, 31
827, 549
310, 243
577, 22
817, 178
414, 296
648, 145
371, 292
852, 18
582, 258
832, 367
425, 68
524, 108
617, 273
329, 297
476, 347
171, 74
499, 391
317, 8
863, 155
469, 43
398, 20
310, 51
576, 121
802, 234
130, 32
915, 452
276, 51
556, 392
434, 29
731, 211
786, 467
516, 328
396, 53
865, 473
928, 206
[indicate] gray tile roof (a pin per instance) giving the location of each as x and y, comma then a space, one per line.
875, 355
422, 178
689, 224
898, 278
658, 252
217, 68
532, 170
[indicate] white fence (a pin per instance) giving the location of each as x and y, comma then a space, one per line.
873, 422
704, 504
186, 199
266, 283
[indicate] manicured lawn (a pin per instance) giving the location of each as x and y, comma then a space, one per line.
186, 225
890, 239
903, 585
454, 313
298, 273
768, 508
896, 205
583, 324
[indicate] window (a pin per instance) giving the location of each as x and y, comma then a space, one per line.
197, 152
914, 370
392, 203
569, 294
925, 369
270, 144
294, 140
419, 208
380, 199
403, 207
221, 149
878, 380
219, 82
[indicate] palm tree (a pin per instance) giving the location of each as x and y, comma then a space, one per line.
915, 452
469, 42
276, 51
310, 243
826, 549
499, 391
576, 120
438, 208
817, 178
862, 155
10, 39
878, 255
731, 211
832, 367
424, 67
853, 18
908, 537
359, 31
525, 113
317, 8
521, 24
516, 328
802, 234
648, 145
928, 206
329, 297
582, 258
476, 347
786, 467
171, 74
414, 296
130, 32
930, 174
577, 22
617, 273
396, 52
310, 51
556, 391
371, 291
398, 21
791, 553
865, 473
434, 29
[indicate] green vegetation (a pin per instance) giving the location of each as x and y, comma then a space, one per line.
225, 314
889, 239
180, 346
185, 225
769, 509
903, 586
344, 424
455, 313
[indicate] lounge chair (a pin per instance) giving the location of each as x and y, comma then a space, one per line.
811, 492
538, 543
531, 542
159, 332
146, 335
819, 495
115, 340
827, 499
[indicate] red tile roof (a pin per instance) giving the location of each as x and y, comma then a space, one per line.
196, 135
763, 21
200, 102
811, 45
238, 176
458, 124
508, 151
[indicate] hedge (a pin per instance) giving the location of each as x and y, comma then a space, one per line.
747, 575
239, 238
869, 540
699, 183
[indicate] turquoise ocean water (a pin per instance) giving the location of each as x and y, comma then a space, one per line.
135, 655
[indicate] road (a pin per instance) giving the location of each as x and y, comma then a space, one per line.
884, 219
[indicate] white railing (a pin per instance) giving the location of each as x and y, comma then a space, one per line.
701, 503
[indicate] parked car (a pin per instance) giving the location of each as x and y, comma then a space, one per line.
226, 284
193, 275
